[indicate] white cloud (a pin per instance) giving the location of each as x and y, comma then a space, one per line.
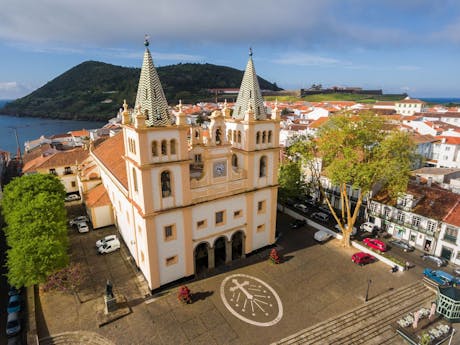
13, 90
303, 59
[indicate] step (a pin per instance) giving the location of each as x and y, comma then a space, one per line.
365, 322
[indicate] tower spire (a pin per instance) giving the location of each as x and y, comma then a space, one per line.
150, 95
250, 95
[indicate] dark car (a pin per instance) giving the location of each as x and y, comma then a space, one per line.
403, 245
438, 261
298, 223
362, 258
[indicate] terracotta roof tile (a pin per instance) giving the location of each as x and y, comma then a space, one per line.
81, 133
110, 153
319, 122
56, 159
97, 197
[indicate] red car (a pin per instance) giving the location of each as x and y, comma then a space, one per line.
362, 258
375, 244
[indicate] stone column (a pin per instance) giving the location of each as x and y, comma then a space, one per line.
211, 260
228, 251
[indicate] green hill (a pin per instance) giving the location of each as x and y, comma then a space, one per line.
95, 90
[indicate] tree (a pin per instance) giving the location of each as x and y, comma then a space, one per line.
67, 279
36, 231
290, 181
361, 152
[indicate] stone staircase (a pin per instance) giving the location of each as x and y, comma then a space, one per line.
75, 338
369, 324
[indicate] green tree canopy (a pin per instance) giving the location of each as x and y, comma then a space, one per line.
290, 181
36, 231
360, 151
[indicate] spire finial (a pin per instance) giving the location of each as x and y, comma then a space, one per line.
146, 40
250, 51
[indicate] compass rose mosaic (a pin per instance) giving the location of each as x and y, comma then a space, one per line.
251, 300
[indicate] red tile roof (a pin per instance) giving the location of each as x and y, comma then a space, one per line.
110, 153
56, 160
97, 197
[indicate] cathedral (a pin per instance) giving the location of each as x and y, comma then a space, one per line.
185, 198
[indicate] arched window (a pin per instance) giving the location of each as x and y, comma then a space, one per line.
229, 135
135, 180
165, 184
269, 136
172, 146
264, 135
257, 137
218, 136
197, 134
154, 149
239, 137
235, 161
164, 149
263, 166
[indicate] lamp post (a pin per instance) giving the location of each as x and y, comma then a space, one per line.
367, 290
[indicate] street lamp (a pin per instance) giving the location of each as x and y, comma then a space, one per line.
367, 290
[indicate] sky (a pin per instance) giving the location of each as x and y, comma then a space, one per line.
399, 46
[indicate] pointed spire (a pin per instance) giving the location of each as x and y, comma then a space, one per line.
276, 112
250, 95
126, 118
150, 95
181, 118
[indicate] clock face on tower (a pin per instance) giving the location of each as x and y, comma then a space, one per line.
220, 169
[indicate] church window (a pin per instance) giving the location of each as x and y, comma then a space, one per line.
269, 136
165, 184
169, 232
218, 136
264, 135
74, 184
197, 134
154, 149
201, 224
171, 260
263, 166
239, 137
261, 206
261, 228
257, 137
164, 149
172, 146
220, 217
198, 158
135, 180
234, 161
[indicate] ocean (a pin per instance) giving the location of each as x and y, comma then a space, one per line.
30, 128
440, 100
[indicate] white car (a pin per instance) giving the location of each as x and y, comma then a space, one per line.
106, 239
72, 197
353, 231
78, 219
301, 207
82, 227
109, 247
322, 236
368, 226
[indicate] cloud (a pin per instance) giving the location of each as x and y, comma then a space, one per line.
450, 32
303, 59
13, 90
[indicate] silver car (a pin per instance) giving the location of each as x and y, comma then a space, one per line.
437, 260
403, 245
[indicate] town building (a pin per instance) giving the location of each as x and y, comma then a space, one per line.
186, 199
409, 107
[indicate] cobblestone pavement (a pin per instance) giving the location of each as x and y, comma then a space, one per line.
314, 283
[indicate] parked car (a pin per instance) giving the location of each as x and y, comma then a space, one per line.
109, 247
403, 245
72, 197
78, 219
375, 244
437, 260
301, 207
457, 271
353, 231
325, 209
14, 304
13, 324
322, 236
82, 227
323, 217
362, 258
106, 239
369, 227
441, 277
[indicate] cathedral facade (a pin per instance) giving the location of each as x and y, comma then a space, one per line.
187, 199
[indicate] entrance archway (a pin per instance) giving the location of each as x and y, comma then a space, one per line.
219, 251
201, 258
237, 245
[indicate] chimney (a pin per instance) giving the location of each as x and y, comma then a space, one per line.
430, 179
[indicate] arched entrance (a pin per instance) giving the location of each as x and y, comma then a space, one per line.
237, 245
201, 258
219, 251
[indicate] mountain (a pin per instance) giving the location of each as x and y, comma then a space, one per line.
95, 90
